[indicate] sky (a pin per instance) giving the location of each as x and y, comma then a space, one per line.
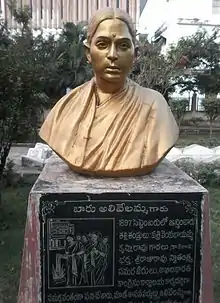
157, 12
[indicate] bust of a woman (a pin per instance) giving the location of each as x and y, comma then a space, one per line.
111, 126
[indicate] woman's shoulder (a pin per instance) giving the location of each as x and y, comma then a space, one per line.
149, 95
78, 88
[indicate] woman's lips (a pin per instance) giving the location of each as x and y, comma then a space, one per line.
113, 69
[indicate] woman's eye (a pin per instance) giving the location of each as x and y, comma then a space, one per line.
124, 46
102, 45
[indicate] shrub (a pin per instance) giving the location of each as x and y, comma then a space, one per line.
9, 177
207, 174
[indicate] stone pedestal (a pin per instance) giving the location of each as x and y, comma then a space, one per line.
139, 239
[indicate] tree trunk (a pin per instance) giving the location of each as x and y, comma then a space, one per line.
210, 129
3, 157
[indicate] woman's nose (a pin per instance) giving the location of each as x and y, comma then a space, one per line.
112, 54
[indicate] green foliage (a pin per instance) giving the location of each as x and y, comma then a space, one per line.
12, 222
207, 174
200, 138
203, 54
197, 47
35, 73
215, 225
8, 174
194, 121
66, 61
21, 86
211, 105
9, 177
191, 64
21, 14
153, 69
179, 107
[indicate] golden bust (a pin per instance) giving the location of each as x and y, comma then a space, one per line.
111, 126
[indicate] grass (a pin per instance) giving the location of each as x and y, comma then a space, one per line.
12, 222
13, 214
215, 225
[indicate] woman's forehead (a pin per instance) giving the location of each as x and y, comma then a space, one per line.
113, 28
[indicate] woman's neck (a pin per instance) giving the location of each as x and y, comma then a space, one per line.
104, 95
105, 87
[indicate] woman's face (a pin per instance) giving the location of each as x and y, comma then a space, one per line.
111, 51
94, 238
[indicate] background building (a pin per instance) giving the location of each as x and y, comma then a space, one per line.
53, 13
176, 18
173, 19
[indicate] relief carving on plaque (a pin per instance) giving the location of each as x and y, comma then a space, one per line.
78, 257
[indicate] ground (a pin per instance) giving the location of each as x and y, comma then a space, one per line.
12, 222
12, 218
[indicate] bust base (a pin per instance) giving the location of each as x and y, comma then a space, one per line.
60, 193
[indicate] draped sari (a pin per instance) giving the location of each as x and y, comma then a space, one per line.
127, 135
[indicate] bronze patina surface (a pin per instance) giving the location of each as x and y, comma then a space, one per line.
111, 126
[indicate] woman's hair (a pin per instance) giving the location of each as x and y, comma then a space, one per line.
108, 14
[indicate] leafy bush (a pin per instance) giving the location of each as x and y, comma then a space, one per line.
9, 177
187, 139
207, 174
179, 107
212, 142
195, 121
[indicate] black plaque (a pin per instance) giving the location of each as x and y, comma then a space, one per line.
134, 248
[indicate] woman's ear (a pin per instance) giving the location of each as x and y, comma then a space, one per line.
87, 50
